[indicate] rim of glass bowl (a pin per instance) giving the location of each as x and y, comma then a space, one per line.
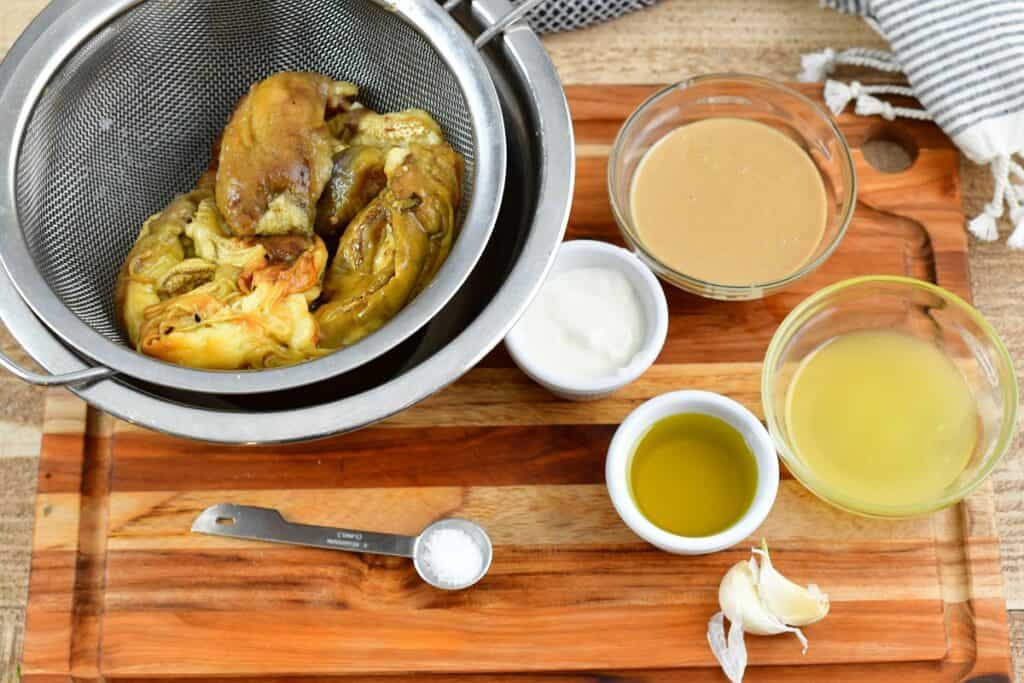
794, 321
705, 287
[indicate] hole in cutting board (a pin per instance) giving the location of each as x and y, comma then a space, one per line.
889, 149
225, 521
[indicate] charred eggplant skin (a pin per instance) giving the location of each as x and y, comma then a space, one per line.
276, 152
394, 246
190, 294
356, 178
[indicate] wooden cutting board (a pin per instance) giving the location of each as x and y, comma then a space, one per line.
120, 589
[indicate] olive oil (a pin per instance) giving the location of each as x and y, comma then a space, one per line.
882, 417
693, 475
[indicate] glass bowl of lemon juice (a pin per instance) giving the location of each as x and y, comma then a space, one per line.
889, 396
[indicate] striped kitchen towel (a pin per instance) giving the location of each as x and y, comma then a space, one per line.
554, 16
964, 61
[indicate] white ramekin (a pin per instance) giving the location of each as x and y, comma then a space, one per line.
628, 435
594, 254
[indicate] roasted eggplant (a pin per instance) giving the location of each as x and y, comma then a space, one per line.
276, 154
234, 275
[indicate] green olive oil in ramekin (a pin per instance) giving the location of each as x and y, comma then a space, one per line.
693, 475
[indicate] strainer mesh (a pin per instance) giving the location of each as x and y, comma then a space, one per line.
128, 121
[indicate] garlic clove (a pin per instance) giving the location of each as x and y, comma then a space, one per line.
758, 599
790, 602
741, 603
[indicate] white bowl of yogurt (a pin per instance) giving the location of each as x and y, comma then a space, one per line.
598, 323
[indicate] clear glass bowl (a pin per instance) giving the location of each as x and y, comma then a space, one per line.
744, 97
912, 307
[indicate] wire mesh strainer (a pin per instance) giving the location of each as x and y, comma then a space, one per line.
531, 225
115, 112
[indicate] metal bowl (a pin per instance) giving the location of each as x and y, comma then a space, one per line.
530, 227
115, 104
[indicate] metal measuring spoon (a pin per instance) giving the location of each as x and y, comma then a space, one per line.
267, 524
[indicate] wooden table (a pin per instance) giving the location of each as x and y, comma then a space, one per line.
677, 38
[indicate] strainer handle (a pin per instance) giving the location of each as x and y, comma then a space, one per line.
501, 25
76, 377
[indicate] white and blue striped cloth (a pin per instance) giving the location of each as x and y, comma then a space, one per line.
964, 61
568, 15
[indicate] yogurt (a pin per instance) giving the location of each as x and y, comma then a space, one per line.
586, 323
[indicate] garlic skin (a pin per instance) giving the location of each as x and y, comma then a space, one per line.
761, 601
731, 655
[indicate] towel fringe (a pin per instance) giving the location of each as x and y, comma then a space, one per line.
1006, 195
983, 226
816, 66
1015, 200
870, 106
838, 95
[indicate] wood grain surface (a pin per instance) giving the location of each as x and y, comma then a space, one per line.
120, 588
674, 39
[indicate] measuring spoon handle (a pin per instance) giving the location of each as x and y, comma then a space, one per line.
267, 524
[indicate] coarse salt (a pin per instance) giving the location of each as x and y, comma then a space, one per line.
452, 556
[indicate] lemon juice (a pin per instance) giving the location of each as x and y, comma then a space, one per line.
882, 418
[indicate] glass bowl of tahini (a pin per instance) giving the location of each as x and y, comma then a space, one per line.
889, 396
731, 186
